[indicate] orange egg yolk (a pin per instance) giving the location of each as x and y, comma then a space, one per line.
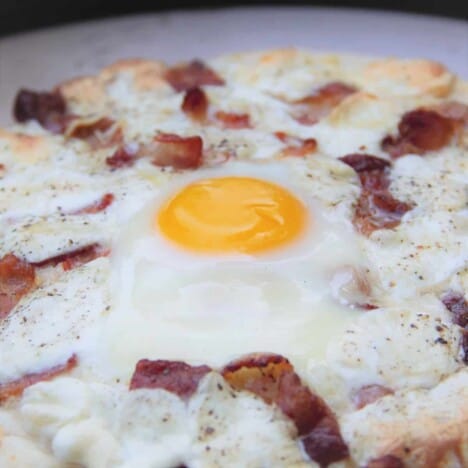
232, 214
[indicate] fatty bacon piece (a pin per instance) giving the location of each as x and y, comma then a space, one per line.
99, 205
195, 104
232, 120
16, 388
458, 306
369, 394
174, 376
296, 146
192, 75
310, 109
99, 133
122, 157
376, 207
17, 278
175, 151
48, 108
272, 378
424, 130
165, 150
74, 258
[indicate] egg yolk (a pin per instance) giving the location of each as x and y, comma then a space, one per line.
232, 214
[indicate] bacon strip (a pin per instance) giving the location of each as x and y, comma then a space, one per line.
17, 278
174, 151
458, 306
99, 205
273, 379
296, 146
376, 207
363, 163
122, 157
49, 109
387, 461
98, 133
420, 131
166, 150
310, 109
233, 121
378, 211
195, 104
16, 388
370, 394
174, 376
191, 75
74, 258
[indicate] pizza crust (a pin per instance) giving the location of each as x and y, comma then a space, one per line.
412, 77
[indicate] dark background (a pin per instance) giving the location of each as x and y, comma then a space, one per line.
21, 15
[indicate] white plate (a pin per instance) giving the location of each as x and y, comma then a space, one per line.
41, 59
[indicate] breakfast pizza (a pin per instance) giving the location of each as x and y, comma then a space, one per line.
253, 261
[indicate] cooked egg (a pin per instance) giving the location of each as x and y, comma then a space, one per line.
228, 261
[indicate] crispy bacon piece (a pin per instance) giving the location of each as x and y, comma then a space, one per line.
376, 207
310, 109
75, 258
363, 163
273, 379
419, 131
195, 104
49, 109
296, 146
325, 444
175, 151
233, 121
387, 461
458, 306
378, 211
174, 376
99, 205
16, 279
369, 394
191, 75
98, 133
258, 373
16, 388
122, 157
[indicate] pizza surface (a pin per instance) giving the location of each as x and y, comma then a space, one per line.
258, 260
